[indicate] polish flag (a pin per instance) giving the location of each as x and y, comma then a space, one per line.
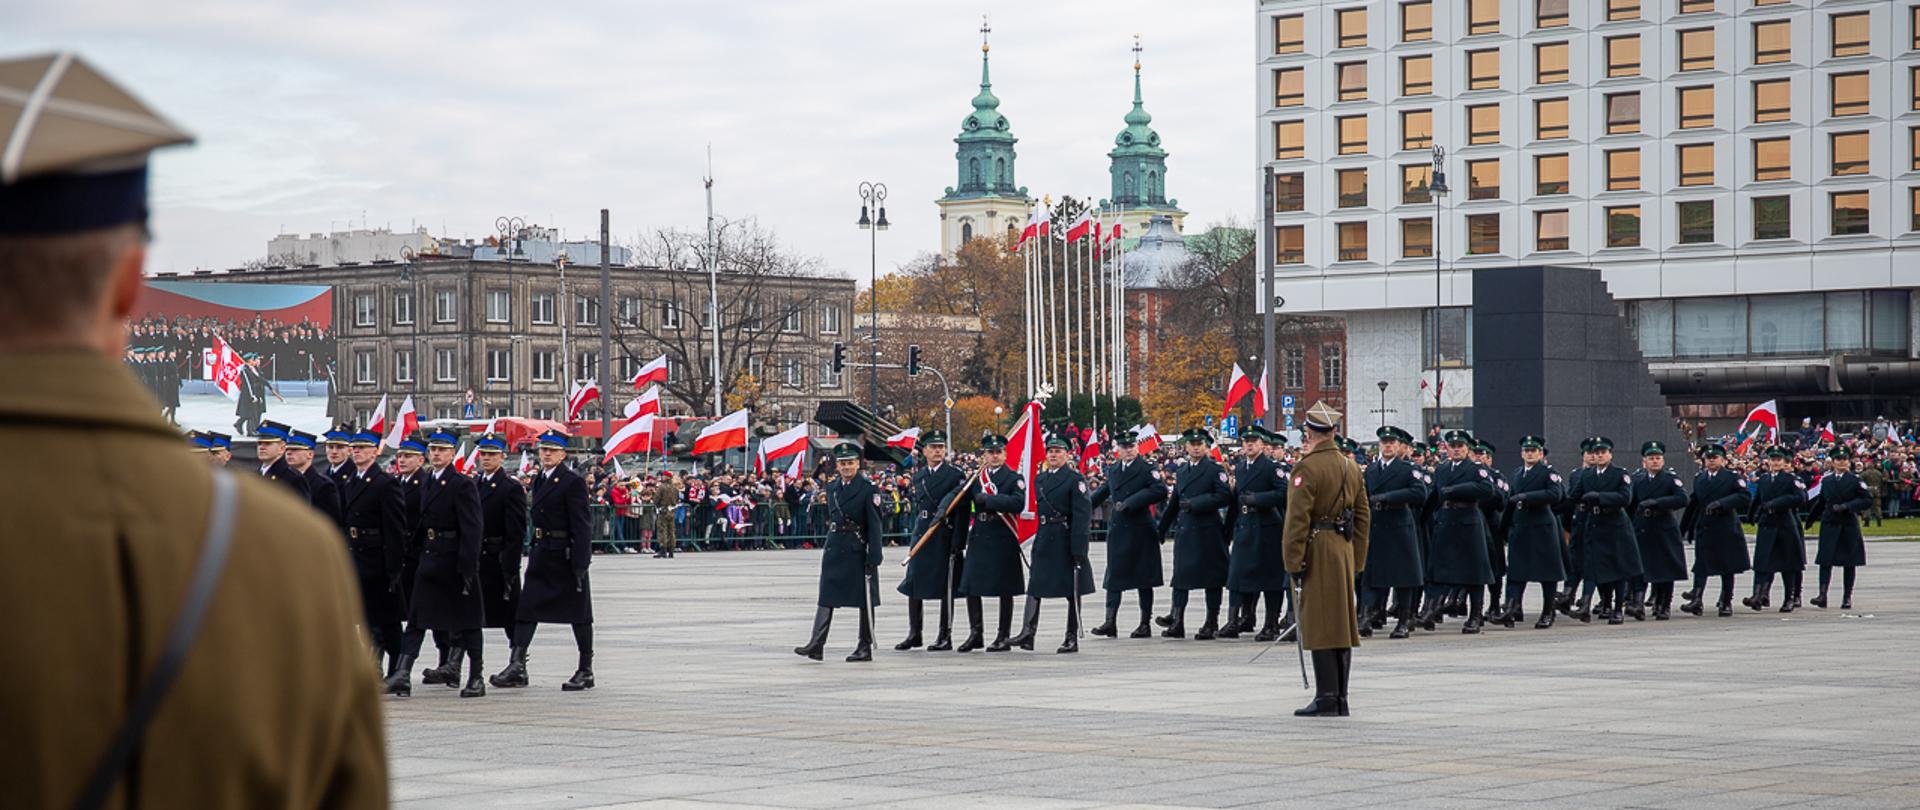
1239, 387
786, 443
1046, 222
1089, 449
583, 393
1767, 413
464, 464
618, 472
1826, 433
636, 436
526, 463
1813, 489
905, 440
655, 371
1081, 227
378, 426
1115, 235
647, 403
1146, 438
1024, 452
404, 424
728, 433
223, 368
798, 467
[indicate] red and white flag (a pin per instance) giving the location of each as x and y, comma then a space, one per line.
655, 371
785, 443
1813, 489
583, 393
1089, 449
1146, 438
1826, 433
726, 434
1081, 227
1024, 453
647, 403
526, 463
636, 436
378, 426
464, 464
798, 467
404, 424
1115, 235
905, 440
1766, 413
1239, 387
222, 365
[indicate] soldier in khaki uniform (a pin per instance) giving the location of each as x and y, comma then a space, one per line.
666, 496
92, 591
1325, 543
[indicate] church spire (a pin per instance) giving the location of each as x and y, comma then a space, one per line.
1139, 167
986, 153
986, 100
1139, 114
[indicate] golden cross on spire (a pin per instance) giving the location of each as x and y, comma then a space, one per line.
985, 29
1136, 51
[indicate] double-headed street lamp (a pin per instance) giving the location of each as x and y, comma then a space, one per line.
873, 199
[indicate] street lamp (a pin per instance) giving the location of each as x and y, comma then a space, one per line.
1436, 188
1383, 404
873, 196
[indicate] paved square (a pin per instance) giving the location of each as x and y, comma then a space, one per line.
701, 703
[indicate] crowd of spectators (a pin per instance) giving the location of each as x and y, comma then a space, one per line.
287, 351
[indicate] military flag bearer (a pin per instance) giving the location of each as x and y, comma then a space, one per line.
993, 565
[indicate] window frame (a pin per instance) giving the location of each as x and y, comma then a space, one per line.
1786, 221
1851, 168
1477, 228
1622, 69
365, 311
1342, 145
1543, 132
1407, 141
451, 301
1406, 34
1343, 92
1764, 172
1852, 108
1284, 202
1543, 19
1860, 47
1283, 46
1477, 137
1407, 246
1540, 186
1415, 171
1288, 101
1618, 182
1282, 235
1477, 191
1478, 22
1280, 130
1623, 126
446, 365
1694, 64
1409, 88
1562, 242
403, 313
1560, 75
1341, 37
1617, 239
1696, 235
503, 297
1763, 55
1344, 198
1341, 230
1764, 114
1695, 120
1618, 10
1476, 81
1683, 153
1864, 219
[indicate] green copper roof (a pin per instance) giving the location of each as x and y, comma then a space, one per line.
985, 123
1138, 139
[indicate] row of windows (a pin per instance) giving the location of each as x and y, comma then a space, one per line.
1552, 122
546, 368
1849, 33
1850, 93
1772, 160
586, 311
1772, 325
1772, 219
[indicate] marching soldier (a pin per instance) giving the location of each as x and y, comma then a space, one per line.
446, 596
1657, 495
409, 460
321, 491
503, 541
931, 571
1133, 551
666, 496
1610, 554
1327, 527
1059, 568
993, 561
1459, 532
1778, 546
1200, 546
1571, 551
1712, 522
1842, 498
1396, 488
270, 442
1533, 534
556, 590
1493, 512
850, 565
1257, 564
374, 511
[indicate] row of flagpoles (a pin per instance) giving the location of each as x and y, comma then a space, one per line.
1075, 306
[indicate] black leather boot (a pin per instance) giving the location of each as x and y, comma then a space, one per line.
1006, 623
1072, 642
582, 677
1546, 617
974, 624
1326, 683
1164, 621
1693, 605
1345, 658
515, 675
1821, 600
1209, 630
1637, 607
1178, 629
1109, 628
1403, 621
816, 646
1270, 626
437, 673
400, 683
1029, 622
916, 614
1145, 630
448, 673
944, 641
476, 684
1618, 616
863, 651
1474, 619
1494, 594
1583, 612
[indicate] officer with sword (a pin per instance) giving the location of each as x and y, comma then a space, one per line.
1325, 541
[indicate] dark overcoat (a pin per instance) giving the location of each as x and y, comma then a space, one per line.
1199, 542
373, 512
1493, 511
1060, 567
323, 494
446, 588
282, 473
1842, 498
1778, 545
1609, 551
993, 566
503, 542
1257, 562
1533, 529
1712, 522
556, 589
1133, 550
929, 570
1459, 531
1396, 491
1657, 500
852, 555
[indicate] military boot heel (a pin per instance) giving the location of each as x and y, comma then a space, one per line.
515, 675
815, 648
1029, 623
438, 672
582, 677
400, 683
1109, 628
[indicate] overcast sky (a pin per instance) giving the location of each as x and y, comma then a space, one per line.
452, 114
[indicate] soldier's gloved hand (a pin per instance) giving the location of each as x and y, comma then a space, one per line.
1246, 499
1590, 498
580, 581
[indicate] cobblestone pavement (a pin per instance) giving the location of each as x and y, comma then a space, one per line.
701, 703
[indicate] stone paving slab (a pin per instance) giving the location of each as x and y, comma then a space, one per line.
701, 704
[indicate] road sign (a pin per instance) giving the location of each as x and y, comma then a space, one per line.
949, 403
1286, 402
1289, 425
1230, 425
1209, 420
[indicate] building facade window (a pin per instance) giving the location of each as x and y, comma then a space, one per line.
1414, 180
1483, 124
403, 365
1772, 101
1696, 107
1784, 325
1290, 192
1623, 170
1772, 42
1416, 21
1618, 10
1290, 34
1353, 241
1483, 234
669, 314
445, 306
499, 306
1623, 55
631, 309
1696, 221
1772, 217
1550, 175
1850, 213
1483, 69
1851, 94
364, 371
446, 365
1623, 226
363, 309
1293, 368
1696, 50
790, 316
586, 310
1550, 119
1352, 23
545, 365
1696, 6
1850, 154
1623, 113
1483, 17
1289, 87
1353, 134
1416, 75
1696, 164
1550, 63
1289, 140
1290, 244
1852, 34
1353, 187
1772, 159
1416, 238
1353, 81
402, 308
1447, 335
829, 319
540, 308
1483, 179
1550, 13
1333, 372
1416, 129
1551, 230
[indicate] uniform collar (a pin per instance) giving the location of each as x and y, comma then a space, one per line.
78, 386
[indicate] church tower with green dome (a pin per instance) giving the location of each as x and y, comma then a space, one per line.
987, 201
1139, 168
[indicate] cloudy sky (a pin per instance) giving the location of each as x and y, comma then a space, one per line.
311, 116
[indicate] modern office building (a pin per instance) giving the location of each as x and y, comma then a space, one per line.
1744, 173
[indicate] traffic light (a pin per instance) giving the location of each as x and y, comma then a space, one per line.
913, 360
839, 357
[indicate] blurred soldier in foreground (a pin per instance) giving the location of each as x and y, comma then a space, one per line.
233, 568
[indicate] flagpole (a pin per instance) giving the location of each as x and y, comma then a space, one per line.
1026, 263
